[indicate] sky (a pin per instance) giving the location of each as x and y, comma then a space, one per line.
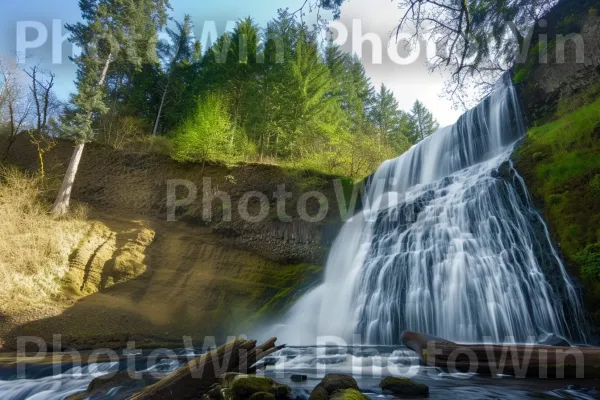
408, 82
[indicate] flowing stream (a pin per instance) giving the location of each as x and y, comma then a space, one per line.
448, 244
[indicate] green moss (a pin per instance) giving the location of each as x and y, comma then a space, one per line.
561, 166
589, 262
348, 394
520, 76
245, 386
262, 396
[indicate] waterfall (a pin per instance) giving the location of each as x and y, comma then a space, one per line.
448, 244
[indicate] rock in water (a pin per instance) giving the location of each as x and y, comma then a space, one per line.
403, 387
249, 386
332, 383
298, 378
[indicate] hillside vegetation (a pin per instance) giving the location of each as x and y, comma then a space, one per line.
34, 249
561, 165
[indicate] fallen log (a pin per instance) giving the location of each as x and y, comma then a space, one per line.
196, 377
518, 360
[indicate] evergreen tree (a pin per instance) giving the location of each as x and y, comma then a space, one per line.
423, 123
385, 114
122, 31
181, 49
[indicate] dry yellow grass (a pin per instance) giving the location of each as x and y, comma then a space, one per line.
34, 248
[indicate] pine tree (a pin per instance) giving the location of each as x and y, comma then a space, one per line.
423, 122
113, 31
385, 113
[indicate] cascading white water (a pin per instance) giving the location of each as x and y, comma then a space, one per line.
448, 243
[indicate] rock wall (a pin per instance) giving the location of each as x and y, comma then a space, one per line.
559, 158
544, 84
126, 183
137, 276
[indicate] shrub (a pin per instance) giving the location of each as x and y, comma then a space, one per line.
208, 135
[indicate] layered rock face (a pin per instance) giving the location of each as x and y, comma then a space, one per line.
138, 276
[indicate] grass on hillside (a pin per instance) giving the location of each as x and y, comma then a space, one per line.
34, 246
562, 161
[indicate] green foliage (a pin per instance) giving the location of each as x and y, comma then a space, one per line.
422, 121
270, 95
122, 32
208, 135
595, 185
589, 262
520, 76
561, 160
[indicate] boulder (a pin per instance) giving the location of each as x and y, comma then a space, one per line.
241, 386
403, 387
319, 393
244, 386
349, 394
332, 383
262, 396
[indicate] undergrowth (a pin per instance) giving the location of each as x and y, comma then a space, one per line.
34, 246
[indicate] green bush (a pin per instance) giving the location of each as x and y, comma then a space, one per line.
208, 135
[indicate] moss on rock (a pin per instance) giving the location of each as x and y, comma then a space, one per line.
348, 394
249, 386
563, 184
262, 396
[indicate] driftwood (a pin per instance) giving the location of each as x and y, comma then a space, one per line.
510, 359
194, 379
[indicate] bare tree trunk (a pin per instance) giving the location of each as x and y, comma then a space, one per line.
162, 102
61, 204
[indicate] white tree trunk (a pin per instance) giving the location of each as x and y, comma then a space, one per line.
61, 204
162, 102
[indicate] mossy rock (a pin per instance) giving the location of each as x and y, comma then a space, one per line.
403, 387
319, 393
246, 386
262, 396
349, 394
334, 382
227, 378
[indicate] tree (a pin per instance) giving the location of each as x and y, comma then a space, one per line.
423, 123
15, 105
43, 97
385, 113
207, 135
119, 31
45, 105
181, 49
475, 43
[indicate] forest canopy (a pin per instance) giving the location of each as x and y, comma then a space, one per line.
274, 94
